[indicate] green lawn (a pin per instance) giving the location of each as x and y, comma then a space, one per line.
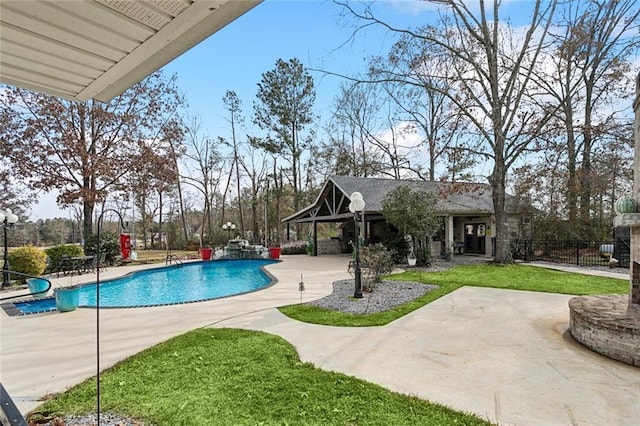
513, 277
237, 377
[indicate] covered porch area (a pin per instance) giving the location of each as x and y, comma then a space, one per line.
461, 232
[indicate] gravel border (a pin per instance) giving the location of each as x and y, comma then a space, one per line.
108, 419
385, 296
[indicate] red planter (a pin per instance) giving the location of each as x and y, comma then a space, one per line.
205, 253
274, 252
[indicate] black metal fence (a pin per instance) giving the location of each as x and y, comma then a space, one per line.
583, 253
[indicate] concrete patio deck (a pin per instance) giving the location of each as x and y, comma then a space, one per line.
504, 355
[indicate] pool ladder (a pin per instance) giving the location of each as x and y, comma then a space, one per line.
173, 258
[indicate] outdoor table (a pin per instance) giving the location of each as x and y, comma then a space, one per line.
82, 264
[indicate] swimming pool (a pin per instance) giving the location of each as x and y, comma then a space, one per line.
183, 283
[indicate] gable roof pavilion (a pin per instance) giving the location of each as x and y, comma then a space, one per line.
460, 198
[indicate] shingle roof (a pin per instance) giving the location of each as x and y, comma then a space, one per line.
458, 198
452, 197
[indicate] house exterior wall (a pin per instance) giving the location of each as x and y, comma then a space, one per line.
459, 233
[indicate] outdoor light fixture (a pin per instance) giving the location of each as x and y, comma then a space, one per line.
356, 206
98, 249
8, 219
229, 227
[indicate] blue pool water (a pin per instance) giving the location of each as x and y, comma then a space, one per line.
191, 282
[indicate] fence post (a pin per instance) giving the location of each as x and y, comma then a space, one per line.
578, 252
526, 252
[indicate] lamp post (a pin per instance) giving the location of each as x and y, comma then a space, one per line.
356, 206
8, 219
229, 227
98, 307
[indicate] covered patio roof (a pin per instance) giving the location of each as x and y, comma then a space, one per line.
96, 49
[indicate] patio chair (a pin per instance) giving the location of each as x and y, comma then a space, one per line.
88, 264
103, 262
65, 265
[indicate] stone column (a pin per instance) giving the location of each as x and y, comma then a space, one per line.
449, 233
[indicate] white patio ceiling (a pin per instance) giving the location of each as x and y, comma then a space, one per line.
83, 49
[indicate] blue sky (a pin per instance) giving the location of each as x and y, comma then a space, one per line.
312, 31
319, 33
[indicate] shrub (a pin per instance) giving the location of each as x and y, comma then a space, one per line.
193, 245
377, 261
309, 248
109, 246
294, 247
56, 253
28, 260
424, 255
400, 248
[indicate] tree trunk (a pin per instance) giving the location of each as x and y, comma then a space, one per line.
498, 184
585, 181
240, 212
255, 230
87, 219
572, 180
88, 180
210, 221
183, 218
224, 198
160, 221
295, 171
144, 217
204, 221
277, 189
180, 199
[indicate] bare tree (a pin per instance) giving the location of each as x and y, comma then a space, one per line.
177, 149
354, 121
233, 104
255, 168
492, 69
203, 171
432, 113
592, 74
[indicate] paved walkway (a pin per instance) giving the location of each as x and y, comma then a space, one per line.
505, 355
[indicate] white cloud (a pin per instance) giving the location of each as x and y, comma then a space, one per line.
47, 208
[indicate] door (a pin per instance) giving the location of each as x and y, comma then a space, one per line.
474, 238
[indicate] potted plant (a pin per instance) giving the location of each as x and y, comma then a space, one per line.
411, 257
205, 253
274, 249
67, 298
